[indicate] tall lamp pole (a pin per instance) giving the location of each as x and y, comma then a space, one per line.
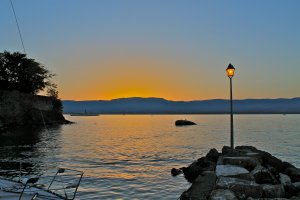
230, 73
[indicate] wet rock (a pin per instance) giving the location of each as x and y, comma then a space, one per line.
290, 190
201, 187
297, 186
268, 159
176, 172
227, 151
246, 162
196, 168
263, 175
284, 179
273, 191
246, 176
242, 188
293, 173
184, 123
250, 198
248, 148
269, 179
212, 155
229, 170
221, 194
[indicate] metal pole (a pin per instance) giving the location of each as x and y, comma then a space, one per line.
231, 117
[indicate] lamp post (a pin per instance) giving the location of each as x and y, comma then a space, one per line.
230, 73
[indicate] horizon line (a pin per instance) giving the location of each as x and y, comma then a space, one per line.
179, 100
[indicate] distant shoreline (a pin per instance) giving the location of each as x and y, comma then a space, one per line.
99, 114
163, 106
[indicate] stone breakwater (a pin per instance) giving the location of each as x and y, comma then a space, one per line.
243, 173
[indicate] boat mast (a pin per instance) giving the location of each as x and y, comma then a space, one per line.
12, 6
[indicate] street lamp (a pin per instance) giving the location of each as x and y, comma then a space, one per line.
230, 73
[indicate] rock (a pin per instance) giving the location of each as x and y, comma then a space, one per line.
184, 123
290, 190
248, 148
284, 179
221, 194
250, 198
295, 197
229, 170
267, 158
227, 151
287, 165
297, 186
201, 187
293, 173
273, 191
196, 168
247, 176
242, 188
212, 155
263, 176
176, 172
273, 161
246, 162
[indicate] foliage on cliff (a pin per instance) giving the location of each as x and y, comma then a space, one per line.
17, 72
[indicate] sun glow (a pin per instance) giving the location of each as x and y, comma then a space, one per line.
131, 76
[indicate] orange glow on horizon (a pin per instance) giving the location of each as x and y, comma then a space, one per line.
133, 76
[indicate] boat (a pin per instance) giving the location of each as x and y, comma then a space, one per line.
62, 186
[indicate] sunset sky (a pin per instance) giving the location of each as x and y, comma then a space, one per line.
178, 50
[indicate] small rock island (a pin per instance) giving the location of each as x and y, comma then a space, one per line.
184, 122
243, 173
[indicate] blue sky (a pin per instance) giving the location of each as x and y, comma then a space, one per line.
172, 49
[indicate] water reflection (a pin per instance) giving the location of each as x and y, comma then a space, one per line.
131, 156
29, 148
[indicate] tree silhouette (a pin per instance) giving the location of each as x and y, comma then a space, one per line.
17, 72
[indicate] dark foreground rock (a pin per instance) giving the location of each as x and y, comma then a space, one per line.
184, 123
243, 173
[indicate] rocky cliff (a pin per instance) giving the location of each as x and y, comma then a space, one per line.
17, 109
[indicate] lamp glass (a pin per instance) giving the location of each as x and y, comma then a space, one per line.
230, 71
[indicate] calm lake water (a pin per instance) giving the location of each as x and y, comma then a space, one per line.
130, 156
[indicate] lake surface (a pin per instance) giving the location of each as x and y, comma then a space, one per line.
130, 156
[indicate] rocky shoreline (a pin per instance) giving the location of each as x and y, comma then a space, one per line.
20, 109
243, 173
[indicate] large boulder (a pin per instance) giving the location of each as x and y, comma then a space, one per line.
242, 188
196, 168
221, 194
201, 187
228, 151
267, 159
212, 155
284, 179
230, 170
263, 176
294, 173
246, 162
273, 191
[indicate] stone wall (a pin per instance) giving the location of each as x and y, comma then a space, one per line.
24, 109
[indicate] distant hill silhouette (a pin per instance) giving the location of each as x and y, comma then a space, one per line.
138, 105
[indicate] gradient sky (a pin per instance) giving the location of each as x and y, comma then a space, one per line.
178, 50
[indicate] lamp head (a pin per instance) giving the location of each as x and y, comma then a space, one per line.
230, 70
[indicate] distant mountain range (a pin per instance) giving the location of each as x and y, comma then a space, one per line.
138, 105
